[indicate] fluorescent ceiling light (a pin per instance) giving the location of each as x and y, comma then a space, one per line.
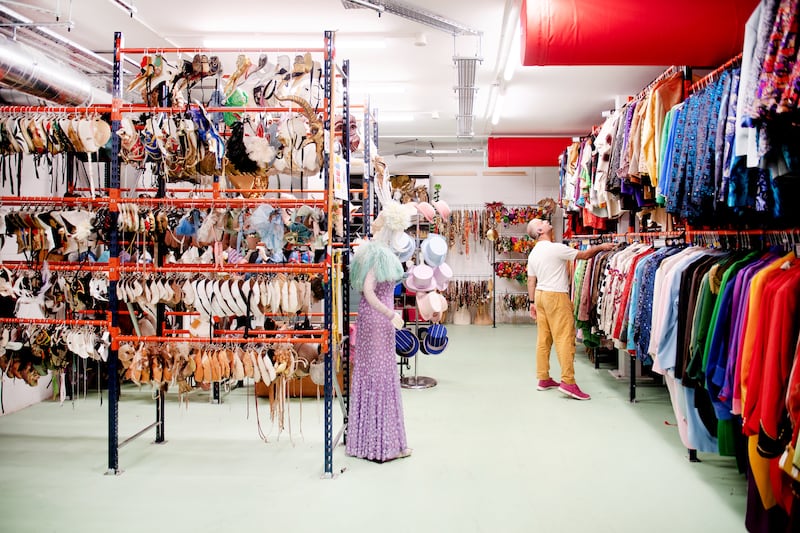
395, 117
498, 108
513, 59
378, 88
289, 41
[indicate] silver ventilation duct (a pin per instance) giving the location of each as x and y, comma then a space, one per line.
411, 12
27, 70
466, 68
446, 148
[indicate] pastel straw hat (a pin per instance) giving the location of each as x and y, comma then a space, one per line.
420, 279
443, 209
426, 210
434, 250
442, 275
431, 305
425, 305
404, 246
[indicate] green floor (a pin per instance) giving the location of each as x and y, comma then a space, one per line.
491, 454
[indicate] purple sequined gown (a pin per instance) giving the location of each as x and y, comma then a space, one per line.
375, 429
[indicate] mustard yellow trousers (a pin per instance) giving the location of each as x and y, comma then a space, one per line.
555, 324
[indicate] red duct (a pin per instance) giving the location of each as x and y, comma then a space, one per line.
699, 33
526, 151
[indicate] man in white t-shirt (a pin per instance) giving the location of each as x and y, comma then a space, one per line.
551, 307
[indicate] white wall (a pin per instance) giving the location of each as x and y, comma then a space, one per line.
472, 186
17, 394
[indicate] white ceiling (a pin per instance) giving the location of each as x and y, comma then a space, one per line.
539, 101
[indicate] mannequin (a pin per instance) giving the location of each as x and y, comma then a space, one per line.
376, 427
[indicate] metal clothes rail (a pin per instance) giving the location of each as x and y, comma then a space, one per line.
115, 269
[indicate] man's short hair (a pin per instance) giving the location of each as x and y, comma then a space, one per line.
535, 228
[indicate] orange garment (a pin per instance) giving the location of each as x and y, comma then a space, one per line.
742, 373
759, 465
665, 95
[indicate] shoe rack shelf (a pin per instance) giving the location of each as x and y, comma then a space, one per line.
111, 196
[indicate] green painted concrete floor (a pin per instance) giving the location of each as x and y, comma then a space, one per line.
491, 454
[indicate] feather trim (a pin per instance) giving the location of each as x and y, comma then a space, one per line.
377, 257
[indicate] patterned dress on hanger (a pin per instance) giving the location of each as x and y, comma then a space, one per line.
376, 430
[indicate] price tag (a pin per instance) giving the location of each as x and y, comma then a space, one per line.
339, 177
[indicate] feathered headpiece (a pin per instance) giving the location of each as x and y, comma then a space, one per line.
393, 217
268, 222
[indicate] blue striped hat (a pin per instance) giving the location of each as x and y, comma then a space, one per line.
435, 341
406, 343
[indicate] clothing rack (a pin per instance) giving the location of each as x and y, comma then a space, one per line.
117, 109
631, 237
55, 322
714, 74
743, 238
674, 69
114, 269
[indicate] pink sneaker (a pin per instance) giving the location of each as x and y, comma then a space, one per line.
547, 384
574, 391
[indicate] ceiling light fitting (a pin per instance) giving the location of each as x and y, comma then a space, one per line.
127, 7
417, 14
296, 41
363, 3
27, 5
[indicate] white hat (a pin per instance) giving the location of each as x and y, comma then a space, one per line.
403, 245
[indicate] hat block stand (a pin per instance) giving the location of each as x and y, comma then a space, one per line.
416, 381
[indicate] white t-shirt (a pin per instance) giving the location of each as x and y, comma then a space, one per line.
548, 263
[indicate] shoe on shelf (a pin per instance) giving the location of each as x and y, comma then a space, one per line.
572, 389
547, 384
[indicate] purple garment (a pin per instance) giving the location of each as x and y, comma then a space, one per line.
741, 295
375, 429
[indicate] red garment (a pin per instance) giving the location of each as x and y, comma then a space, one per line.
593, 221
750, 407
784, 321
623, 305
793, 395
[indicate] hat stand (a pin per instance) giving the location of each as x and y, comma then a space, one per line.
491, 236
416, 381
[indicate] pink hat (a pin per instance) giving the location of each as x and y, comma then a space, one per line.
426, 210
431, 305
443, 209
420, 279
442, 275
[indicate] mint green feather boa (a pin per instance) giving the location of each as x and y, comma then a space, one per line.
378, 257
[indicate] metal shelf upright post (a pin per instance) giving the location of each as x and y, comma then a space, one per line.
347, 242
